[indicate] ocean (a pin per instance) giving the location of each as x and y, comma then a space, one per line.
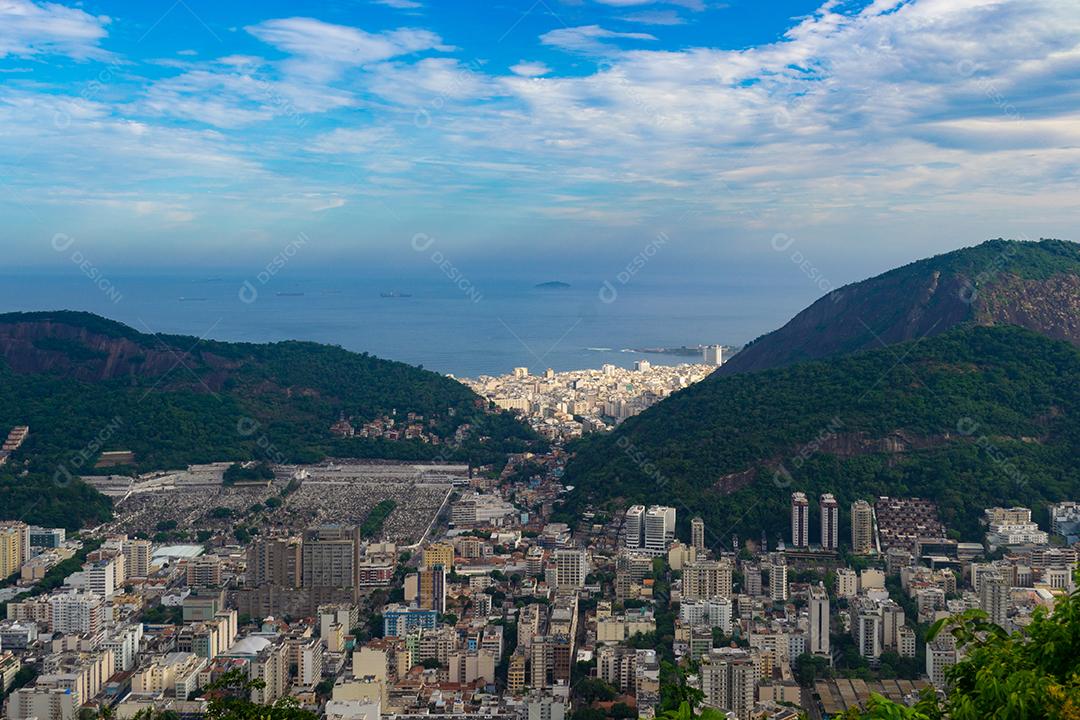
463, 328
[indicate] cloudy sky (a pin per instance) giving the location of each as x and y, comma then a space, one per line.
536, 133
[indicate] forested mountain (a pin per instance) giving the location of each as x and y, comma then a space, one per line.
1032, 284
85, 384
974, 417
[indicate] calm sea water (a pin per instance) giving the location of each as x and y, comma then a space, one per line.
487, 328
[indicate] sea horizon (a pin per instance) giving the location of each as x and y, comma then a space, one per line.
484, 327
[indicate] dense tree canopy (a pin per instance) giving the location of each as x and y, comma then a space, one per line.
972, 418
224, 401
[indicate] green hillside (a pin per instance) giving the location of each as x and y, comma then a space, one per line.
975, 417
1031, 284
85, 384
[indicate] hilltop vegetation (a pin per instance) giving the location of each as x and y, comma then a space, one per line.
1032, 284
85, 384
975, 417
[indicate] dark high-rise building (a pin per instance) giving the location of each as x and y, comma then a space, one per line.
433, 588
276, 561
830, 522
329, 556
800, 520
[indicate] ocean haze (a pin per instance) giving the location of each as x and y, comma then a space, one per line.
489, 327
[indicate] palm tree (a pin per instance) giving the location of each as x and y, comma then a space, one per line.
686, 712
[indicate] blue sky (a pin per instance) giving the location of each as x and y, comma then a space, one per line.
536, 136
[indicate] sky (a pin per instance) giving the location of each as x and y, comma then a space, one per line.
534, 138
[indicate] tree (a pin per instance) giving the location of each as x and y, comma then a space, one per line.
1030, 674
809, 668
588, 713
685, 711
594, 689
229, 698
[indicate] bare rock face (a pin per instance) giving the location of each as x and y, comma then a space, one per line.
66, 344
1032, 284
1050, 306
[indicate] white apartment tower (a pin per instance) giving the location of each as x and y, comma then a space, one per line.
778, 585
994, 594
571, 568
729, 680
634, 527
76, 613
713, 355
830, 522
800, 520
940, 654
868, 634
819, 621
659, 529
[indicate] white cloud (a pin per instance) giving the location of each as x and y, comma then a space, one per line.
588, 39
30, 28
526, 68
400, 4
323, 49
431, 81
235, 92
951, 112
655, 17
353, 141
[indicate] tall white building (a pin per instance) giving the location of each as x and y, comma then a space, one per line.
778, 585
124, 643
706, 579
74, 613
729, 680
101, 577
800, 520
571, 568
830, 522
868, 633
659, 529
940, 654
819, 621
137, 554
1012, 526
892, 620
713, 355
707, 613
994, 595
634, 527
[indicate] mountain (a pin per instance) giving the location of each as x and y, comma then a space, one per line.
955, 378
972, 418
1032, 284
85, 384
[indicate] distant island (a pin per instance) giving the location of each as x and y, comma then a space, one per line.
552, 285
